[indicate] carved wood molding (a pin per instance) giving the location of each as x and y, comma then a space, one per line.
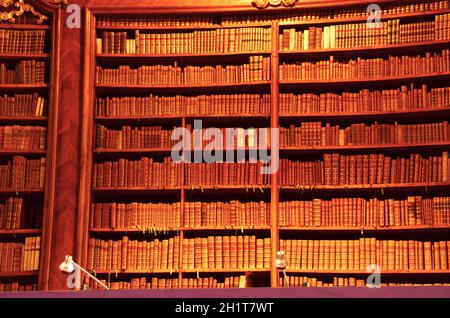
20, 7
262, 4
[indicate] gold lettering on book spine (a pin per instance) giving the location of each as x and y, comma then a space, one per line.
262, 4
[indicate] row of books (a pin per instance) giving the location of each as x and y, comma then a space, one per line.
257, 70
212, 174
364, 34
209, 41
167, 283
23, 137
314, 134
225, 252
367, 68
133, 138
291, 16
336, 169
142, 173
22, 42
337, 13
359, 254
402, 99
167, 216
303, 281
31, 105
155, 20
17, 287
20, 257
145, 216
16, 213
360, 212
22, 174
227, 138
183, 105
226, 214
25, 72
128, 255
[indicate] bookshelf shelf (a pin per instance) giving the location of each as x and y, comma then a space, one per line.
400, 229
17, 56
120, 120
228, 229
21, 232
24, 26
384, 17
228, 270
377, 187
358, 272
23, 88
21, 192
403, 114
119, 153
191, 56
134, 230
391, 147
161, 89
364, 82
181, 28
5, 152
23, 120
150, 272
19, 274
406, 48
181, 229
137, 190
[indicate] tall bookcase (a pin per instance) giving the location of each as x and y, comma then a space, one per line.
30, 35
101, 20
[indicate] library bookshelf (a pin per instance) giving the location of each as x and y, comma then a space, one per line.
104, 99
35, 209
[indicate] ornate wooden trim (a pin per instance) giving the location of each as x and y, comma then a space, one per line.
262, 4
21, 7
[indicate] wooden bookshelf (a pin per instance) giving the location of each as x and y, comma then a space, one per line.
42, 198
274, 191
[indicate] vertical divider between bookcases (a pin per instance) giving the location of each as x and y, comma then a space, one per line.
87, 139
274, 124
183, 200
50, 169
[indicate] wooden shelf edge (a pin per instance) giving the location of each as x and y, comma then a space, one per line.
364, 49
366, 147
359, 272
21, 191
24, 26
12, 152
391, 186
364, 19
181, 229
183, 271
20, 232
193, 86
18, 56
359, 229
418, 112
19, 274
365, 80
193, 27
179, 55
